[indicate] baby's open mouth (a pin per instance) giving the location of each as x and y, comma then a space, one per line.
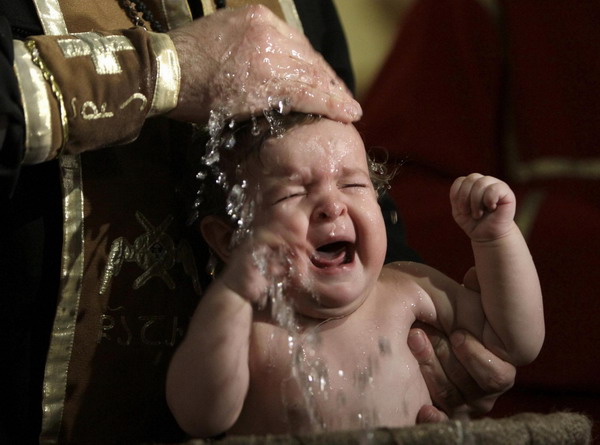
333, 254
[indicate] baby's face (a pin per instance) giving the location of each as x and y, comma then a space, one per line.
314, 189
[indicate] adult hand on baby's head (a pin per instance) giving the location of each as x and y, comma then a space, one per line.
462, 376
246, 60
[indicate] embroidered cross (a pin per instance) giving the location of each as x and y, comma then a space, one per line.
154, 252
102, 49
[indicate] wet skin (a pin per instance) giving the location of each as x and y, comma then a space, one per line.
314, 190
317, 218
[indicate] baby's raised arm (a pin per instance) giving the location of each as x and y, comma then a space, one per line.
511, 298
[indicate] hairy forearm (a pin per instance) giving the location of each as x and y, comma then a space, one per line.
208, 376
511, 298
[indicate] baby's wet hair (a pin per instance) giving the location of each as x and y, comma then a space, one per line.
211, 184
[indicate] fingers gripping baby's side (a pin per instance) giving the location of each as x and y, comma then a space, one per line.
483, 206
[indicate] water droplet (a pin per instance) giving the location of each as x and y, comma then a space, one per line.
229, 142
255, 130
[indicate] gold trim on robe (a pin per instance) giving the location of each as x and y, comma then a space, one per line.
51, 17
38, 123
290, 14
63, 331
177, 12
168, 74
208, 7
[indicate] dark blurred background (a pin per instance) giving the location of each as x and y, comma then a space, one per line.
511, 89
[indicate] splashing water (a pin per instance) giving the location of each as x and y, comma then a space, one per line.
308, 370
310, 374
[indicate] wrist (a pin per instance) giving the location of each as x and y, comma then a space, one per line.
193, 103
227, 294
497, 237
89, 90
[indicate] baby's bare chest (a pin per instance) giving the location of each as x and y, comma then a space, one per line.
357, 374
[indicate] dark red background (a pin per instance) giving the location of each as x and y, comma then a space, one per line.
460, 88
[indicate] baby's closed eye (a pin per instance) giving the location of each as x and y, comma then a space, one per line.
288, 195
355, 187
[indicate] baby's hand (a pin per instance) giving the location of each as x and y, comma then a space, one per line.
262, 260
483, 206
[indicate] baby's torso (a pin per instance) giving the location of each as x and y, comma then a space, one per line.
355, 372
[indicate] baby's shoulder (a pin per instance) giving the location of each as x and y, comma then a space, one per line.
426, 276
403, 278
402, 289
405, 272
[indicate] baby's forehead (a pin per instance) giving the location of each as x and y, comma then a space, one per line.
323, 138
309, 157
